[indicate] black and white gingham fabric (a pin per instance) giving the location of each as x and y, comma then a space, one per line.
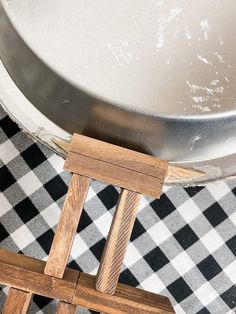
182, 246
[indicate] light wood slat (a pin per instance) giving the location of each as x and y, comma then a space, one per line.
174, 174
67, 226
26, 274
17, 302
19, 260
113, 174
118, 155
117, 242
125, 300
66, 308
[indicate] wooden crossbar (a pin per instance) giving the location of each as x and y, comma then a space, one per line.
116, 165
136, 174
27, 274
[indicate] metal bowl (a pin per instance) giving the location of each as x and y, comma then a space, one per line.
156, 76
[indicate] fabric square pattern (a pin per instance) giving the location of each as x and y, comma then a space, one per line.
215, 214
7, 178
186, 237
29, 183
179, 289
8, 126
182, 246
156, 259
33, 156
229, 297
56, 187
8, 151
209, 267
26, 210
3, 233
163, 207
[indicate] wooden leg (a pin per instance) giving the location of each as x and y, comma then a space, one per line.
67, 226
66, 308
17, 302
117, 242
65, 233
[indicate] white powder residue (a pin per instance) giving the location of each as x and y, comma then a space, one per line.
159, 2
221, 41
216, 105
206, 98
214, 82
163, 22
187, 33
65, 101
194, 88
168, 60
160, 39
205, 28
193, 141
202, 108
220, 58
119, 50
204, 60
199, 98
8, 3
177, 31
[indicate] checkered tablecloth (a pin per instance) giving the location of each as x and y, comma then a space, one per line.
182, 246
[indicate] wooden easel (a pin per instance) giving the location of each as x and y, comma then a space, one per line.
136, 174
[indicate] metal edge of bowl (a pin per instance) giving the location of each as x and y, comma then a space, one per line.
36, 125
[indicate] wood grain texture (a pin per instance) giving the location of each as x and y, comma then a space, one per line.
76, 288
178, 174
117, 242
66, 308
26, 274
115, 175
119, 156
125, 300
174, 174
17, 302
67, 226
19, 260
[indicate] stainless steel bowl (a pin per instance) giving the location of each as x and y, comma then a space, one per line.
156, 76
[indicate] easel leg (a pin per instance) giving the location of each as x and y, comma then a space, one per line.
67, 226
17, 302
65, 233
117, 242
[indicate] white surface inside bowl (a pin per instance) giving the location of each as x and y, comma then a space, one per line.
168, 57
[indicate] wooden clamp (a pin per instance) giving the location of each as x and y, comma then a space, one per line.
136, 174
